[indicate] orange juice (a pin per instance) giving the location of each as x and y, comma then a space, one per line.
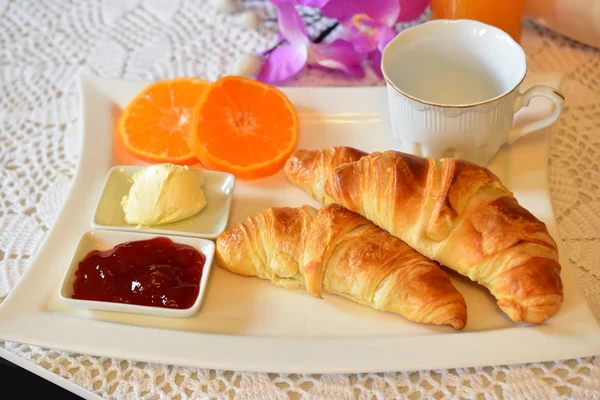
506, 14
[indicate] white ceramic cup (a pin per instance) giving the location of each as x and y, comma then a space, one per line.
453, 90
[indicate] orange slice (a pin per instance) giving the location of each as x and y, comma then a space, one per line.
244, 127
155, 124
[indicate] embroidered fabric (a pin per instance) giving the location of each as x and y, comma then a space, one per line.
45, 45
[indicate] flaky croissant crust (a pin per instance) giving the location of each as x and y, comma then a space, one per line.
337, 251
309, 169
462, 216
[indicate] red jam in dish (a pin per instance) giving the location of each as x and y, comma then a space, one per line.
155, 272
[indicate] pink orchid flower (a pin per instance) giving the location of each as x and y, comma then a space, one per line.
287, 59
370, 37
384, 11
368, 28
370, 24
388, 12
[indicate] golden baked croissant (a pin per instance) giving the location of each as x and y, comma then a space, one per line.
308, 169
461, 215
337, 251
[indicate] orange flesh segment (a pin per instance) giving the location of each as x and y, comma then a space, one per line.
244, 127
155, 124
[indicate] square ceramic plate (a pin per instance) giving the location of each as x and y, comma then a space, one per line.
247, 323
106, 240
209, 223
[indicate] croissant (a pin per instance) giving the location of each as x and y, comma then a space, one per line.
309, 169
337, 251
462, 216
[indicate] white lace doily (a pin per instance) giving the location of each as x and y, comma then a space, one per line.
45, 45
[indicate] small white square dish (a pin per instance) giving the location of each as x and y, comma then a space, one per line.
209, 223
105, 240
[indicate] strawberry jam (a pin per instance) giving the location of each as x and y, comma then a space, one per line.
155, 272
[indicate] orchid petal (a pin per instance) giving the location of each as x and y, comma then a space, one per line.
384, 36
367, 34
339, 55
363, 42
384, 11
312, 3
282, 63
291, 25
306, 3
411, 9
375, 58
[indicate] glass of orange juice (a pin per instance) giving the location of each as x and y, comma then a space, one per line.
504, 14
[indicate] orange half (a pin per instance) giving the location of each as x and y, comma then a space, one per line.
155, 124
244, 127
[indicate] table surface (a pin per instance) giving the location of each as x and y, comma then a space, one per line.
45, 46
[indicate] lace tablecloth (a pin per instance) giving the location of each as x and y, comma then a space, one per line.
45, 45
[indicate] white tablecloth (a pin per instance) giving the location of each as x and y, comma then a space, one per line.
45, 45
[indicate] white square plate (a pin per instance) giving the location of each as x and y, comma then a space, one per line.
247, 323
106, 240
209, 223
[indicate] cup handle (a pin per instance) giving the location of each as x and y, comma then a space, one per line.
523, 100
